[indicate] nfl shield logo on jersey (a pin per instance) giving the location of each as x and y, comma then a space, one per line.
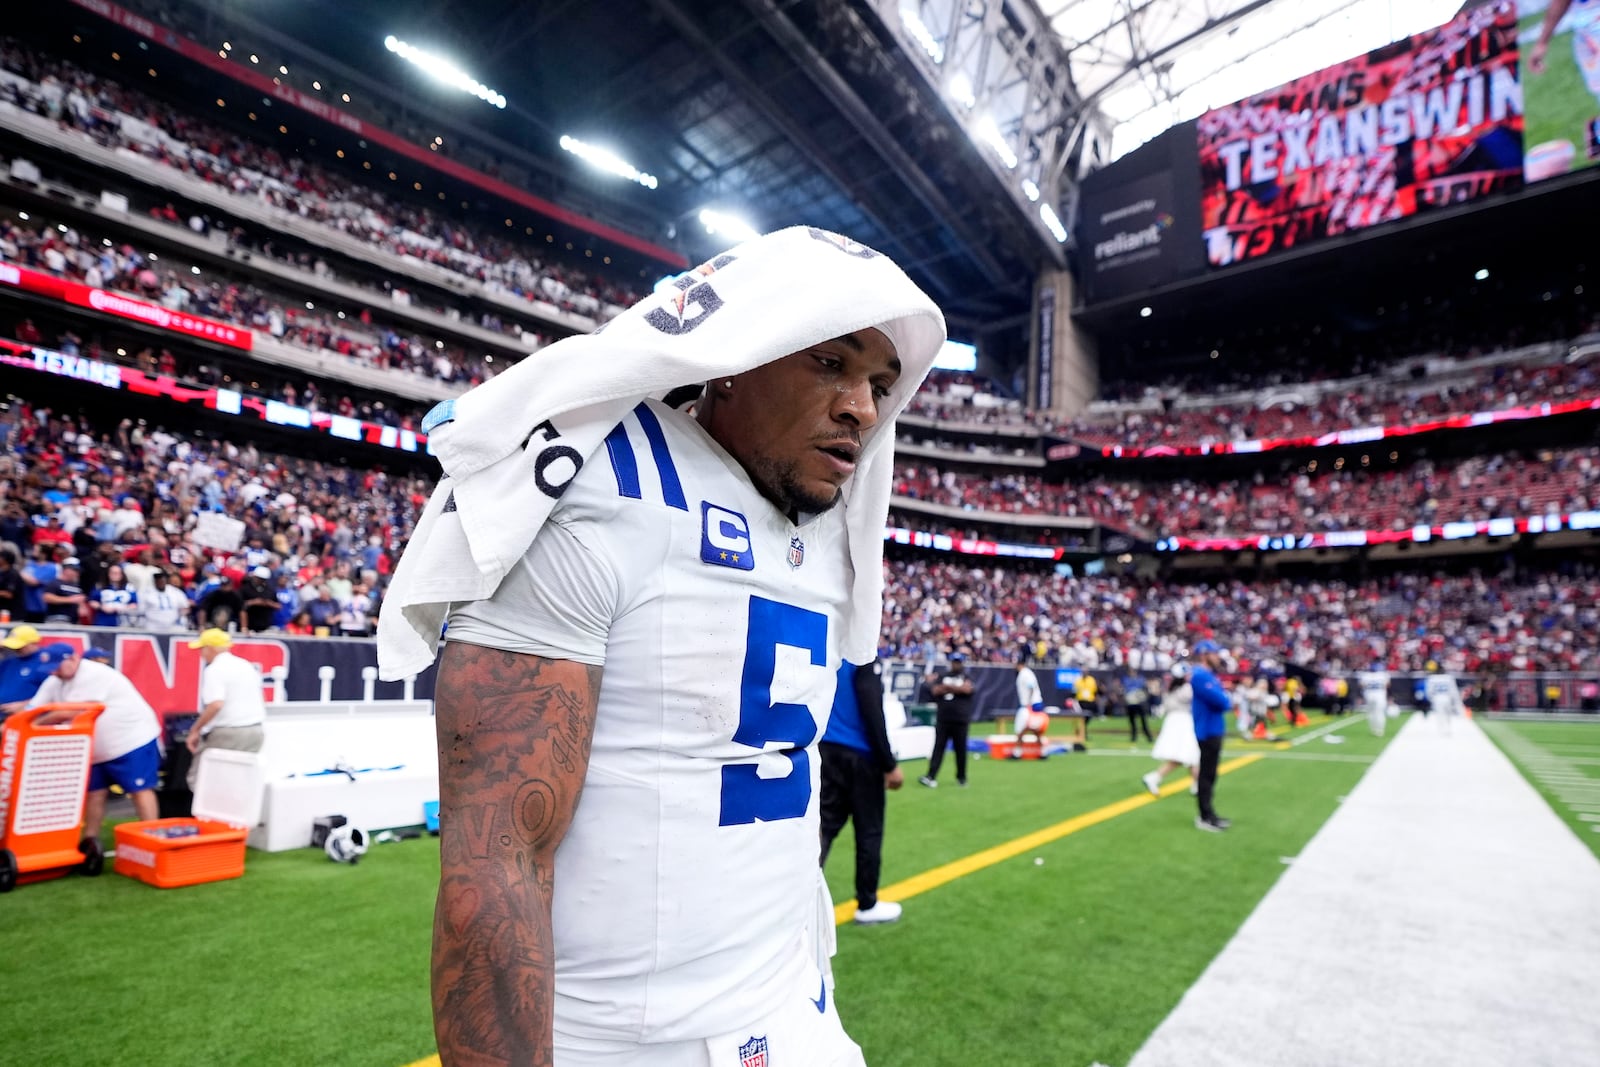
797, 551
753, 1053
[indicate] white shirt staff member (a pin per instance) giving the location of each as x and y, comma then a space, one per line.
127, 750
232, 709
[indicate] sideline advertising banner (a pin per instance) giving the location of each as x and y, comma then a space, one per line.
1423, 123
1561, 80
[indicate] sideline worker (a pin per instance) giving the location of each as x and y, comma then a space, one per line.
127, 747
231, 707
857, 767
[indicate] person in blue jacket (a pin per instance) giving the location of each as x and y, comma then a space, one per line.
858, 765
24, 671
1211, 706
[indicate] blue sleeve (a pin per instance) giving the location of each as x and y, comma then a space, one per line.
1209, 693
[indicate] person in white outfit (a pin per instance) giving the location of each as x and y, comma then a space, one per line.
127, 734
1175, 745
1444, 697
1029, 697
1374, 685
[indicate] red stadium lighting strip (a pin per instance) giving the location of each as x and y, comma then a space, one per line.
126, 307
207, 57
222, 401
968, 546
1450, 531
1358, 436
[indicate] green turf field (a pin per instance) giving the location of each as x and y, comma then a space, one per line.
1557, 103
1551, 756
1074, 960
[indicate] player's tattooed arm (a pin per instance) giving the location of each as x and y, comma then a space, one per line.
514, 733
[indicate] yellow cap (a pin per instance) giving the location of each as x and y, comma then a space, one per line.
21, 637
212, 638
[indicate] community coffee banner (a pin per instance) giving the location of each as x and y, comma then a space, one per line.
1423, 123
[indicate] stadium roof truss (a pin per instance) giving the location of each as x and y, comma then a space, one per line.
1149, 64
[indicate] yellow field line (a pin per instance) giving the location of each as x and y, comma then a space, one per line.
949, 872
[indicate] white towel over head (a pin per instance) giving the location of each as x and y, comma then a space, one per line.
510, 446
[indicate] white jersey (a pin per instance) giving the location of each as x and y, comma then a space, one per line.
690, 869
128, 721
1028, 693
1374, 686
1442, 693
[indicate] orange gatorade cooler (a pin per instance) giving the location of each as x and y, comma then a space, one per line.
207, 847
44, 776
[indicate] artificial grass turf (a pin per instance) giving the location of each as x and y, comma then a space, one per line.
304, 961
1558, 102
301, 961
1078, 959
1520, 739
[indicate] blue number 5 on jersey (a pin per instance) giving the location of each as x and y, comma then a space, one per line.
747, 798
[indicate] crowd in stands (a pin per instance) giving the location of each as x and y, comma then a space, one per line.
1464, 624
121, 528
1341, 496
1375, 403
117, 116
250, 377
1371, 399
97, 262
112, 528
960, 397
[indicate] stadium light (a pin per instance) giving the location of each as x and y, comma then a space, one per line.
961, 89
731, 226
1145, 312
1030, 190
920, 33
1482, 275
1053, 223
441, 69
986, 131
607, 161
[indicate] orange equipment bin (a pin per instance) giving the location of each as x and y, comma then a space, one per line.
44, 775
208, 847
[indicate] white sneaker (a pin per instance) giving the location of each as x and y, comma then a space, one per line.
884, 911
1152, 783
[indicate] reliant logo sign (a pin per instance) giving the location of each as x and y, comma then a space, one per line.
1127, 241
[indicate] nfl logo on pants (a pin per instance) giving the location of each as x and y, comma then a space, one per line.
753, 1053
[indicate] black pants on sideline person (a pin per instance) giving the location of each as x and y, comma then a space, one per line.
853, 789
1210, 754
946, 733
1137, 719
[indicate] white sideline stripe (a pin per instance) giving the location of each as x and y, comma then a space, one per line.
1407, 915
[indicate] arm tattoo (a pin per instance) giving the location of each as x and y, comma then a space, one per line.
514, 735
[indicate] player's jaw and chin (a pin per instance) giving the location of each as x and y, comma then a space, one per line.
794, 489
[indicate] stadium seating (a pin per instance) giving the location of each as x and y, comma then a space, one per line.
115, 116
1467, 623
1338, 494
